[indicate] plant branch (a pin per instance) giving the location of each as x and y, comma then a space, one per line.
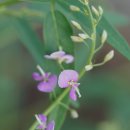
8, 3
93, 38
55, 22
66, 91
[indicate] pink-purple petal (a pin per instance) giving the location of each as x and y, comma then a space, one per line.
67, 76
42, 118
39, 127
73, 95
50, 126
48, 86
36, 76
48, 57
55, 55
68, 59
58, 54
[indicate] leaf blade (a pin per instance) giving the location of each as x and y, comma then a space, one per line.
114, 38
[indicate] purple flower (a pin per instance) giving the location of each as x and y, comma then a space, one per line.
60, 56
47, 82
69, 78
42, 120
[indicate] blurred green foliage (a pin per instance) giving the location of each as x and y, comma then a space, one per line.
105, 94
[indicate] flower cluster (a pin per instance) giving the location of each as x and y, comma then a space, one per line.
48, 82
67, 78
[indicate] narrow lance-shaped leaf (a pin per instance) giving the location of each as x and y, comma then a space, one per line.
29, 38
115, 39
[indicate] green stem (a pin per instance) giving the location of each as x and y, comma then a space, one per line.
98, 49
65, 106
99, 64
52, 106
61, 66
93, 38
55, 22
7, 3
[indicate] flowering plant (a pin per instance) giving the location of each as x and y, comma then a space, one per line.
63, 57
74, 32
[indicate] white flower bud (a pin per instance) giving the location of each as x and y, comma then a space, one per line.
109, 56
86, 2
74, 114
83, 36
95, 11
74, 8
104, 37
77, 39
100, 10
76, 24
88, 67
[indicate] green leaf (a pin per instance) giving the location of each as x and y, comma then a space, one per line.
29, 38
116, 18
115, 39
36, 1
59, 33
9, 2
59, 114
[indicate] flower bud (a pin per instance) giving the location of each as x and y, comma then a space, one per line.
74, 114
76, 24
88, 67
83, 36
100, 10
95, 11
86, 2
77, 39
109, 56
74, 8
104, 37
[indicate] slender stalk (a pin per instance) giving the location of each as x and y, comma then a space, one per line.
99, 64
65, 106
55, 22
93, 38
66, 91
8, 3
98, 49
52, 106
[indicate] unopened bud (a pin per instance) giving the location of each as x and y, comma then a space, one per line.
77, 39
74, 8
86, 2
104, 37
95, 11
83, 36
100, 10
60, 48
88, 67
74, 114
76, 24
109, 56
